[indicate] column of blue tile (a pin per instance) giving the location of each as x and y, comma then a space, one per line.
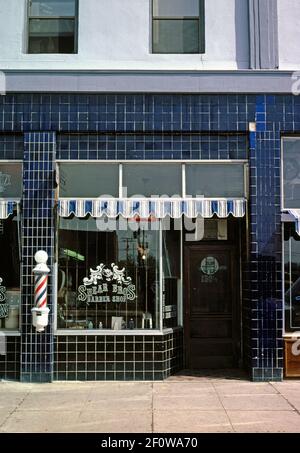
38, 234
265, 298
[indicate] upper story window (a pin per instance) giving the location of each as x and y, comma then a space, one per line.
178, 26
52, 26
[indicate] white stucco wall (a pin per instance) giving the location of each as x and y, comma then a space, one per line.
116, 34
289, 34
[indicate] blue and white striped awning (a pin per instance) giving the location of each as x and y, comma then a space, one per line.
159, 208
6, 208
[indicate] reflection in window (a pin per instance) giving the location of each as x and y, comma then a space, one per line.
9, 274
178, 26
52, 26
215, 180
108, 279
292, 278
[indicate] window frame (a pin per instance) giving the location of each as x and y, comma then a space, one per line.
145, 332
76, 22
201, 28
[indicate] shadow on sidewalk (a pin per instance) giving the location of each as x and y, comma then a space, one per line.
193, 375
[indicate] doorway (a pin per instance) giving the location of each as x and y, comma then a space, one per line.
212, 312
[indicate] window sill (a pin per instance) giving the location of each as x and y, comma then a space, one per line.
107, 332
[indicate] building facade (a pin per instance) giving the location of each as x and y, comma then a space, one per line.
156, 163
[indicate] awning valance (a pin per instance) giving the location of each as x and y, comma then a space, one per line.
6, 208
292, 215
158, 208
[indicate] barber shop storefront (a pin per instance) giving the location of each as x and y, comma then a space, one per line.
168, 228
149, 250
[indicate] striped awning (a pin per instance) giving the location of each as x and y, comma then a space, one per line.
159, 208
292, 215
6, 208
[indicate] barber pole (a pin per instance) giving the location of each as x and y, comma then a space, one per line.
40, 290
40, 311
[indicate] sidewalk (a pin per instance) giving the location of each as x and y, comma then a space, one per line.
180, 404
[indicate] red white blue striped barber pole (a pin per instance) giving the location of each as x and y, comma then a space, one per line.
40, 312
40, 290
41, 272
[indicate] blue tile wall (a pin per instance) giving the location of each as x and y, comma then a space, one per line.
38, 234
11, 147
157, 127
152, 146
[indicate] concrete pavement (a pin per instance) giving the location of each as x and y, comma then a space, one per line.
180, 404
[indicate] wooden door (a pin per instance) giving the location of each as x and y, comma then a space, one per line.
211, 308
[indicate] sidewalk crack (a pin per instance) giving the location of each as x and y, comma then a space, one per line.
285, 398
15, 409
225, 410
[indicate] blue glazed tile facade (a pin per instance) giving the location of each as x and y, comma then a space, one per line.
42, 128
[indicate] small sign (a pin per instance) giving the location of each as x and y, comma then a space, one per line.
3, 305
106, 285
209, 265
170, 311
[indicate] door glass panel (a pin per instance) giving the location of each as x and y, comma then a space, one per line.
210, 283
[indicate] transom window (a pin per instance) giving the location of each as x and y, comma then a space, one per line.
178, 26
52, 26
122, 180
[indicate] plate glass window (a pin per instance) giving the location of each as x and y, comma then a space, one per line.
178, 26
108, 279
52, 26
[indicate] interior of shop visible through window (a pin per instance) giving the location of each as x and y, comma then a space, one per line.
108, 279
9, 274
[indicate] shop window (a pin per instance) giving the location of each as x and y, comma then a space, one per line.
152, 180
291, 172
52, 26
215, 180
178, 26
88, 180
10, 194
10, 273
291, 278
108, 279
